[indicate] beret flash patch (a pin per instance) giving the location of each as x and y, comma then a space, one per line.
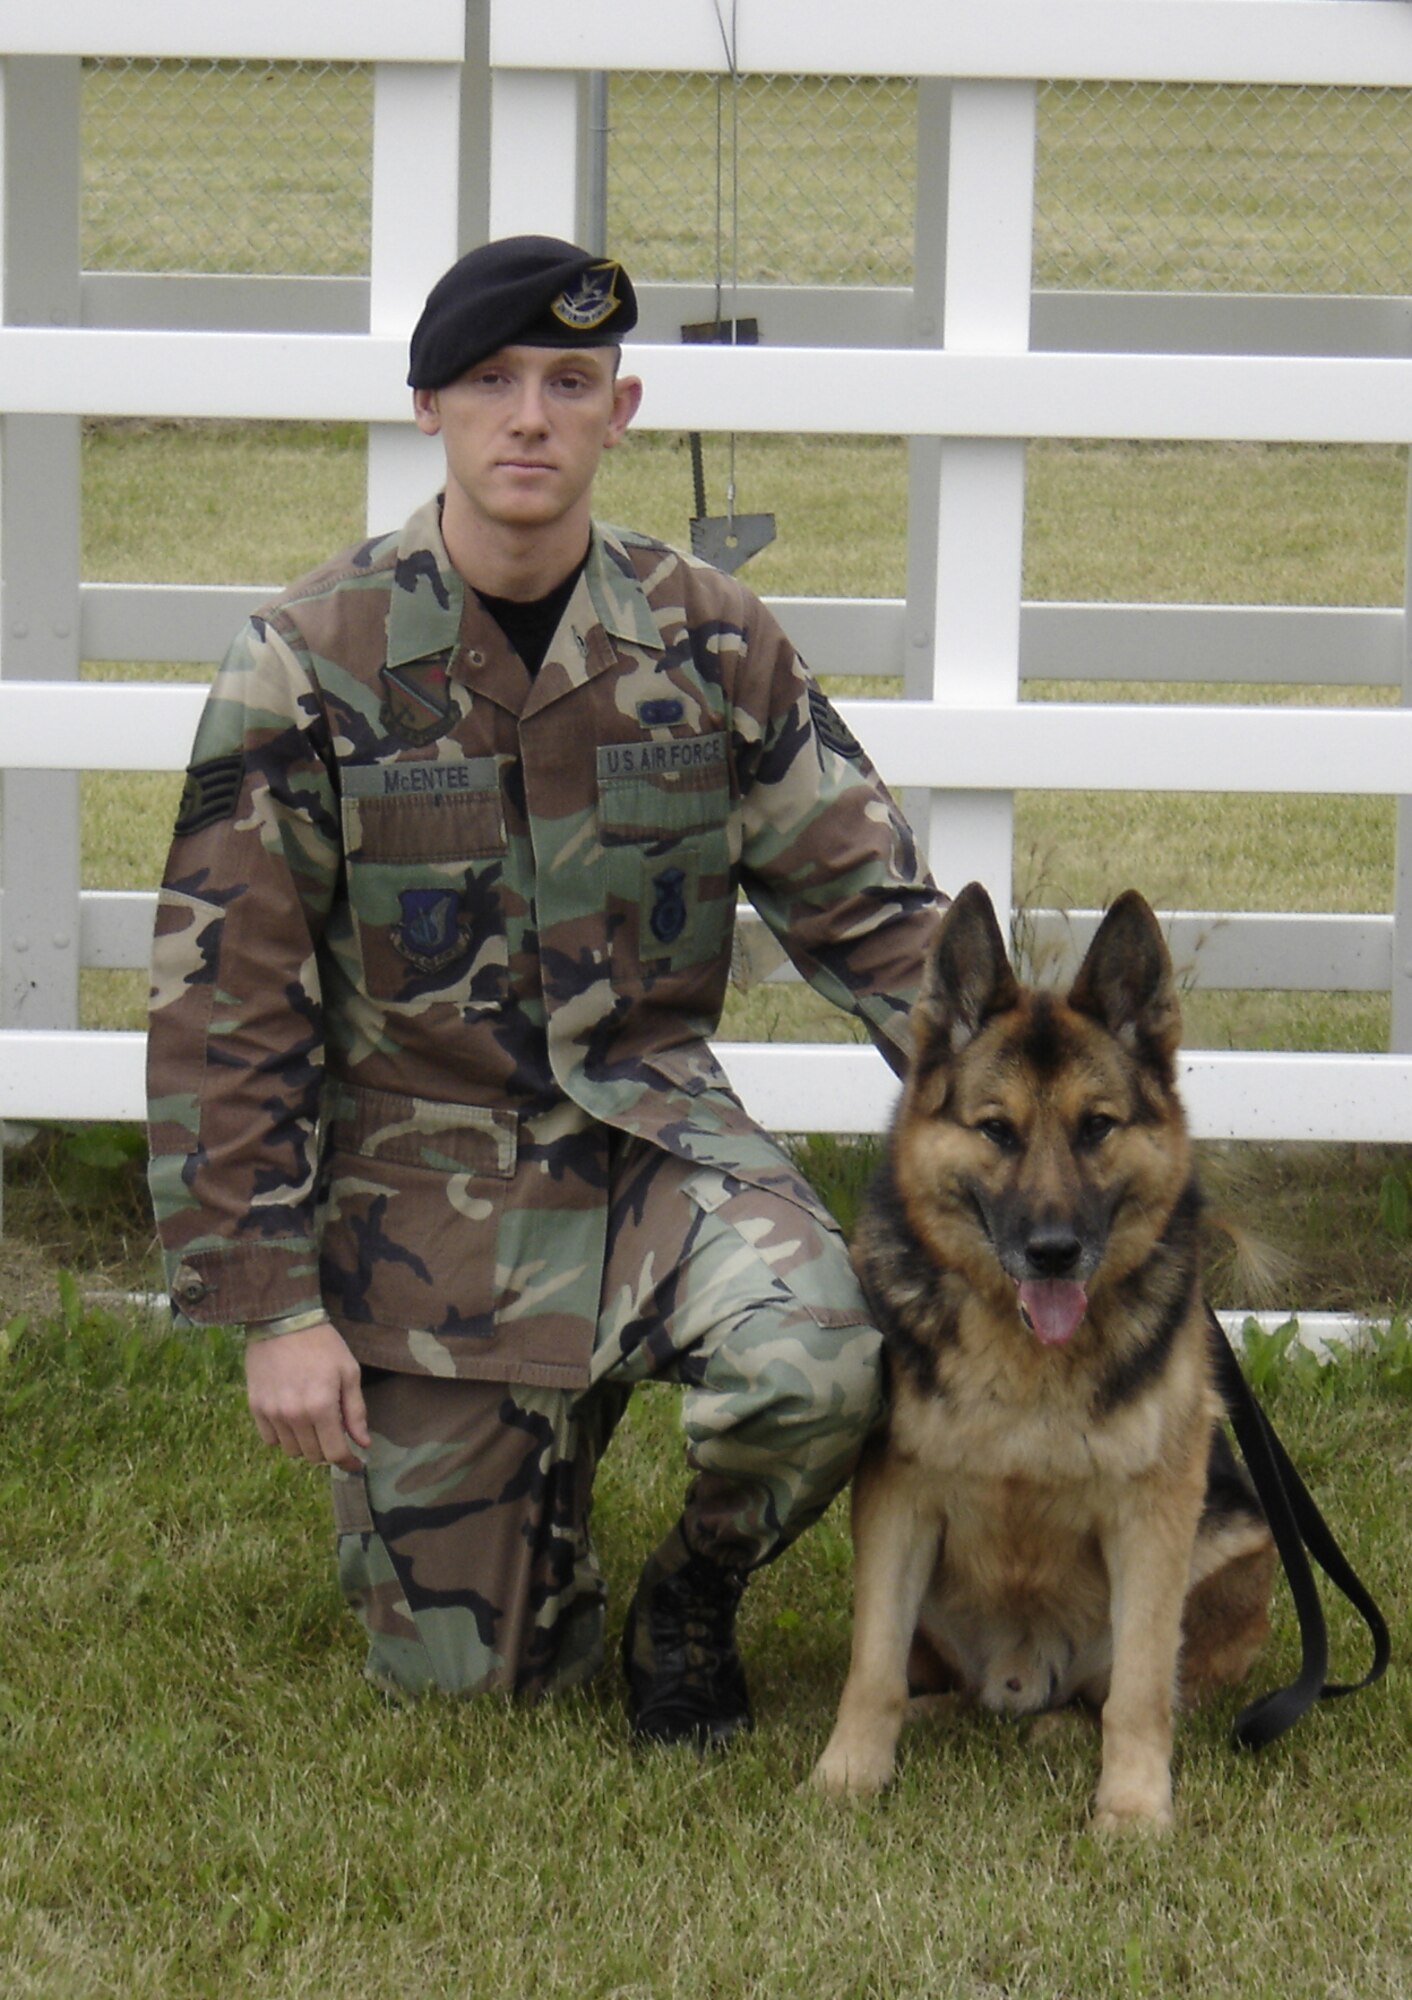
592, 298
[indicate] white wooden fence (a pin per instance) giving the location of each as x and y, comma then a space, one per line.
478, 129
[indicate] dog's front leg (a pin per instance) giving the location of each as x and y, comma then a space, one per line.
1148, 1555
894, 1552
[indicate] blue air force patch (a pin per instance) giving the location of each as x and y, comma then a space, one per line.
432, 933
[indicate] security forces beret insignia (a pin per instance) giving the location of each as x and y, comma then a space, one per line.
210, 793
590, 301
525, 291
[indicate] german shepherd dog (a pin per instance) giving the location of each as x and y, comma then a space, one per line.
1052, 1513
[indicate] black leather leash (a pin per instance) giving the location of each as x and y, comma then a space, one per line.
1297, 1526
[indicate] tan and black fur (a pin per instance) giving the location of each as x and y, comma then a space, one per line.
1052, 1513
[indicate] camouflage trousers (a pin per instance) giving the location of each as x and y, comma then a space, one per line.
464, 1543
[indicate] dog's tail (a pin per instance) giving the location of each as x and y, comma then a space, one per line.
1261, 1271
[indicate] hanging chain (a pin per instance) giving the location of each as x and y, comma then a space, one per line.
730, 43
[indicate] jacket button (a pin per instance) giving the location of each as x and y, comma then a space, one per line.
190, 1288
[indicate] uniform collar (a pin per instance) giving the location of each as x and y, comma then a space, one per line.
619, 600
424, 614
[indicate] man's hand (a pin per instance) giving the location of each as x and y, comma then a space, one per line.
305, 1394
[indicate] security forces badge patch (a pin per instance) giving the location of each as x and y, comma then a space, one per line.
667, 916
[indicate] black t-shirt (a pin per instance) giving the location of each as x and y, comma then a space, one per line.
530, 627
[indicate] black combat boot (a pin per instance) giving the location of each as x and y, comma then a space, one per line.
685, 1680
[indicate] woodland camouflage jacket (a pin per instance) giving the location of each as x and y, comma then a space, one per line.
431, 930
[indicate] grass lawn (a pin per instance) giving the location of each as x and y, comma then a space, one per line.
200, 1797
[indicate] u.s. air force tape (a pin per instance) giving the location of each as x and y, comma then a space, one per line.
210, 793
677, 756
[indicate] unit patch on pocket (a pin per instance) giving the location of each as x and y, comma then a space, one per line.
432, 933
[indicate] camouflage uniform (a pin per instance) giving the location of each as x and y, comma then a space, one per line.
438, 950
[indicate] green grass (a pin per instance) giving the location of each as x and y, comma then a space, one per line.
226, 166
201, 1798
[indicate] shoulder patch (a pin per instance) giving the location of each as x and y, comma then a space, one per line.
210, 793
417, 704
830, 728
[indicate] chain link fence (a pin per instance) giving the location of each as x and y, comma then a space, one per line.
226, 167
266, 167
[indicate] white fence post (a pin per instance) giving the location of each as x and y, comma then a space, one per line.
415, 236
1400, 1026
536, 153
39, 543
980, 508
924, 453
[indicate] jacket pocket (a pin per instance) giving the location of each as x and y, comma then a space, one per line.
412, 1198
665, 835
425, 872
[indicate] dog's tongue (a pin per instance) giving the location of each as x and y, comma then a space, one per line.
1053, 1307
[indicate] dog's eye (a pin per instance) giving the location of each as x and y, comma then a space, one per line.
1094, 1128
1001, 1134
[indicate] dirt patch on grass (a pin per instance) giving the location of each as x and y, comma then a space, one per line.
29, 1280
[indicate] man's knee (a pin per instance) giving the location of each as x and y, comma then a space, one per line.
463, 1544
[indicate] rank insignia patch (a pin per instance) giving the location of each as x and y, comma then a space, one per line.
211, 792
432, 933
590, 300
417, 704
830, 728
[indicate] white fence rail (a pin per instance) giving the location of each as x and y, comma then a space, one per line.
479, 128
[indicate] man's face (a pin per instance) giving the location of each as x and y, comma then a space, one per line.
524, 429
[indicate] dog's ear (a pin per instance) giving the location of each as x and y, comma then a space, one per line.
968, 977
1126, 981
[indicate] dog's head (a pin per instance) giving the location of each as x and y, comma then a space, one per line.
1040, 1146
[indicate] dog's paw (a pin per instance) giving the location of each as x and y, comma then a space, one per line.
1132, 1812
852, 1773
1134, 1789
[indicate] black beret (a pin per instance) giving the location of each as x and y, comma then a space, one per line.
525, 291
